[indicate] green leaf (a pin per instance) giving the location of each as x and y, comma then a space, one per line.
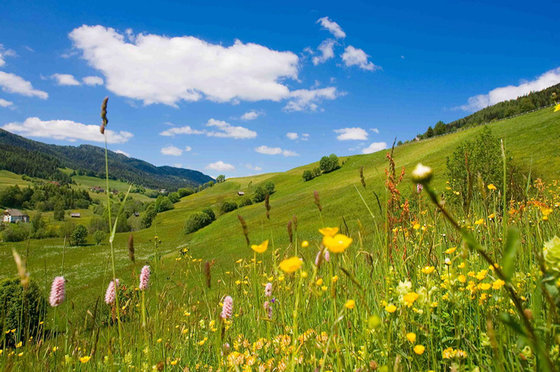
513, 242
513, 324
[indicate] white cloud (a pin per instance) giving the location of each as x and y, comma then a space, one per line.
374, 147
14, 84
250, 115
309, 99
357, 57
123, 153
220, 166
332, 26
67, 130
346, 134
304, 136
375, 130
188, 148
253, 167
160, 69
506, 93
5, 53
274, 151
65, 79
92, 80
5, 103
171, 151
226, 130
327, 52
180, 130
223, 130
292, 135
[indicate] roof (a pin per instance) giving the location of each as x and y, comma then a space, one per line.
15, 213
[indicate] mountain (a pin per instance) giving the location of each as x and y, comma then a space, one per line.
36, 159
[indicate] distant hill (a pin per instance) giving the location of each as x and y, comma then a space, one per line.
36, 159
530, 102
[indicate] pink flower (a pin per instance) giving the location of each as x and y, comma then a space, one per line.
111, 293
57, 291
227, 308
419, 188
268, 290
268, 309
319, 260
144, 278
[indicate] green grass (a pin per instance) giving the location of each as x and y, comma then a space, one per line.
9, 179
87, 182
532, 140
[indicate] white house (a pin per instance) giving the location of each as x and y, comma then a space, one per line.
14, 215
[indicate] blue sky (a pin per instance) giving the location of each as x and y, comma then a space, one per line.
249, 87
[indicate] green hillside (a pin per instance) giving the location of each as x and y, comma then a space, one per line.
532, 139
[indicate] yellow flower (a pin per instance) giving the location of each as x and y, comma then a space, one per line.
419, 349
451, 250
304, 244
484, 286
334, 279
491, 187
428, 269
499, 283
350, 304
291, 265
481, 274
390, 308
319, 282
329, 231
85, 359
461, 278
557, 108
409, 298
479, 222
416, 226
261, 248
337, 243
492, 216
174, 362
411, 337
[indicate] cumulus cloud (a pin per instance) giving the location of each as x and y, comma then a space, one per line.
65, 79
357, 57
92, 80
227, 130
67, 130
327, 52
221, 129
274, 151
5, 103
250, 115
374, 147
506, 93
332, 27
309, 99
123, 153
220, 166
171, 151
375, 130
292, 135
346, 134
11, 83
160, 69
188, 148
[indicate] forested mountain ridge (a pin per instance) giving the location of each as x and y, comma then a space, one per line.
502, 110
36, 159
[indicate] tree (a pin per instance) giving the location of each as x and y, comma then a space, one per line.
329, 163
439, 128
163, 204
210, 213
59, 212
307, 175
262, 191
197, 221
430, 132
79, 235
228, 206
221, 178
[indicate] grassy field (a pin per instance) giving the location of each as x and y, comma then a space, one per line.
371, 333
9, 179
87, 182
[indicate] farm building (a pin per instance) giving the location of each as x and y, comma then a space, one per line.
75, 215
14, 215
240, 193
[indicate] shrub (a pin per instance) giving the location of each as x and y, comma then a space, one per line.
163, 204
21, 309
210, 213
185, 192
99, 236
262, 191
197, 221
16, 232
228, 206
79, 235
174, 197
307, 175
245, 201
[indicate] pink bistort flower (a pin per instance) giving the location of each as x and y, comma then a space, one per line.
111, 293
227, 308
144, 278
57, 291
